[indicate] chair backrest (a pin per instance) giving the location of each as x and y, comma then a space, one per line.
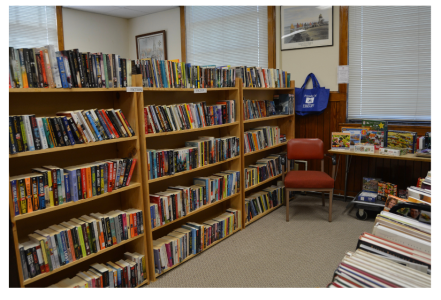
305, 149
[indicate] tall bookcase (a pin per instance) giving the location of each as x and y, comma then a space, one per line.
171, 140
286, 123
46, 102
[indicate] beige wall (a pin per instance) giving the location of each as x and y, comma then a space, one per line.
322, 61
168, 20
90, 32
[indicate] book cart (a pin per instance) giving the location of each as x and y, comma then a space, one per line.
47, 102
177, 139
286, 123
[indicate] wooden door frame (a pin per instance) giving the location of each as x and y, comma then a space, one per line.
60, 32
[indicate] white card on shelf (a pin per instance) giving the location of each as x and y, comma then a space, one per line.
200, 91
134, 89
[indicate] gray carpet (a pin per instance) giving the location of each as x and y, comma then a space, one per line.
273, 253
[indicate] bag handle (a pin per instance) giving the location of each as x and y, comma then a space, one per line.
311, 76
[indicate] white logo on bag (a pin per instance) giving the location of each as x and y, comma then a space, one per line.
309, 100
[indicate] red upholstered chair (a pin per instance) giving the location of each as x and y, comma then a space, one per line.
303, 149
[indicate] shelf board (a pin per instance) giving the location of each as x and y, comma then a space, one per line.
197, 211
267, 118
147, 89
268, 148
70, 204
191, 171
77, 146
65, 90
262, 214
142, 283
38, 277
193, 255
267, 89
262, 183
190, 130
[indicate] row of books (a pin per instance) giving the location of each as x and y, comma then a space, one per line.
263, 78
195, 154
261, 137
166, 118
280, 105
179, 201
58, 245
44, 68
28, 133
52, 186
264, 169
127, 273
192, 238
260, 202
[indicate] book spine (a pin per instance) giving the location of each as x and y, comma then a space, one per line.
29, 137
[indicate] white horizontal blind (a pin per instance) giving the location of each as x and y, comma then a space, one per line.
389, 63
227, 35
32, 26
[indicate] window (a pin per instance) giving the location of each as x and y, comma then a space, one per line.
389, 63
227, 35
32, 26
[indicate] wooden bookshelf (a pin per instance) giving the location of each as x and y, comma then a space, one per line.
46, 102
286, 123
177, 139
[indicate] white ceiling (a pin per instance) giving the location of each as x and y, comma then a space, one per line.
126, 12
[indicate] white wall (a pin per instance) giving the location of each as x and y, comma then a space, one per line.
168, 20
90, 32
322, 61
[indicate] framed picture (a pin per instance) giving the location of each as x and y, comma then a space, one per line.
306, 27
152, 45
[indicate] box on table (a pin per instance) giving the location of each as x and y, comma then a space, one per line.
393, 152
365, 148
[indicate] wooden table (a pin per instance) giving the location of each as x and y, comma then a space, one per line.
348, 154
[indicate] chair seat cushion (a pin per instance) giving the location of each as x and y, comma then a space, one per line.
308, 180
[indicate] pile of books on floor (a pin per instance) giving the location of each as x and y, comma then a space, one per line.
264, 169
260, 202
58, 245
197, 153
179, 201
396, 254
43, 67
192, 238
280, 105
28, 133
126, 273
52, 186
261, 137
176, 117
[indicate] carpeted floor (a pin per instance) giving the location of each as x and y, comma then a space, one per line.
273, 253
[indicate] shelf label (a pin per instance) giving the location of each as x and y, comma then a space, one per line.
134, 89
200, 91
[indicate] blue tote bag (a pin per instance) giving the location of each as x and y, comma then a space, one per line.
311, 101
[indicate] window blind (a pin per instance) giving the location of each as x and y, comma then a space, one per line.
32, 26
227, 35
389, 63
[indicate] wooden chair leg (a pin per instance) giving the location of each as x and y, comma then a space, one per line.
287, 204
330, 205
323, 198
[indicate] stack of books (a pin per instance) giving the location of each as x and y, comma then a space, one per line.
264, 200
280, 105
396, 254
197, 153
261, 137
192, 238
52, 186
166, 118
58, 245
264, 169
28, 133
126, 273
179, 201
